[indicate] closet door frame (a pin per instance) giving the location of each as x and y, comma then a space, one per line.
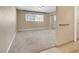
75, 23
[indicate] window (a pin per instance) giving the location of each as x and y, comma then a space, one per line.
34, 17
29, 17
39, 18
54, 17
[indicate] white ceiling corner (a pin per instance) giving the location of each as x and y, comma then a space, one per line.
46, 9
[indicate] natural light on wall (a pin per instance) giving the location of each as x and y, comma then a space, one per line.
55, 18
34, 17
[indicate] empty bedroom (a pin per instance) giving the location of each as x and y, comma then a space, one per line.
36, 29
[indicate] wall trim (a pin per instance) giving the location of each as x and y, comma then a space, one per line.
11, 43
33, 29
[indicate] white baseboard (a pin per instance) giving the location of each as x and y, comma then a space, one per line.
33, 29
11, 43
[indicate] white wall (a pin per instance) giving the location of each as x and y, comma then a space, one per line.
78, 22
24, 25
52, 22
65, 15
7, 26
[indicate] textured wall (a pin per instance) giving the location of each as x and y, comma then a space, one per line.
7, 26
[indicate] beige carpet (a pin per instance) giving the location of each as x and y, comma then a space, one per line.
33, 41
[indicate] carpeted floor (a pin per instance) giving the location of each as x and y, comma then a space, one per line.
33, 41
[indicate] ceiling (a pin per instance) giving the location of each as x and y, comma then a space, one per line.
46, 9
